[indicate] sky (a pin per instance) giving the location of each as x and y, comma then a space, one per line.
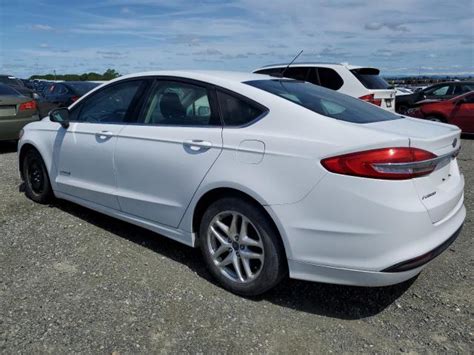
398, 36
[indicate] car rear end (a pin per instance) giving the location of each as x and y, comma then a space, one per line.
15, 112
378, 92
390, 200
382, 212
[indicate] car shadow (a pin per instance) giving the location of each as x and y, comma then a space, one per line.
336, 301
7, 147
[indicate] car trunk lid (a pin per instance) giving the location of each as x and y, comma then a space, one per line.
442, 190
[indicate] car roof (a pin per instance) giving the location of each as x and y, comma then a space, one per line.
451, 82
211, 76
313, 64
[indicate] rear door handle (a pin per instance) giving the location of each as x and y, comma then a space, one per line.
104, 134
197, 144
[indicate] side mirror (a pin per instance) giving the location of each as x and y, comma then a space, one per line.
461, 101
60, 115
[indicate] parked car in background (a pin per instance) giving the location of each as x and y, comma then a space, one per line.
399, 91
268, 176
441, 91
16, 111
360, 82
18, 85
63, 94
458, 111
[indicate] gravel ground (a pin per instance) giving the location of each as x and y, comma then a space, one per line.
73, 280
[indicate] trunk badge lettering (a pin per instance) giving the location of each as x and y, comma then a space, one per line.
429, 195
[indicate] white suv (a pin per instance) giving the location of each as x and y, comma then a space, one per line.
361, 82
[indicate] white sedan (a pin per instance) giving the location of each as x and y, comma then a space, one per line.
268, 176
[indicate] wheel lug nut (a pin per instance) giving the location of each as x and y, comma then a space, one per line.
242, 247
236, 238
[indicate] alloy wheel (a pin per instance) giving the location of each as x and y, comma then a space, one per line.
235, 246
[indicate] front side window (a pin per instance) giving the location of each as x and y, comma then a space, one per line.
109, 105
179, 104
438, 91
235, 111
325, 102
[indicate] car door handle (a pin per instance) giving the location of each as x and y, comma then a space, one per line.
104, 134
197, 144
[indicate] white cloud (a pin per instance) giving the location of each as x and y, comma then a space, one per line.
40, 27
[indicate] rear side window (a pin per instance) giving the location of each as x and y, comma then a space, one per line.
329, 78
325, 102
462, 89
370, 78
298, 73
179, 104
236, 111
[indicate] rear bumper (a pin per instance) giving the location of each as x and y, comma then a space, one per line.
348, 232
421, 260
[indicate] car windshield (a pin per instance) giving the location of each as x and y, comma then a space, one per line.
8, 91
324, 101
82, 88
370, 78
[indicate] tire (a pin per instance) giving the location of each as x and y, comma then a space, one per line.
402, 109
435, 119
258, 252
35, 175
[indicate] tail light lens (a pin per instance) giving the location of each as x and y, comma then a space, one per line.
371, 99
388, 163
74, 98
30, 105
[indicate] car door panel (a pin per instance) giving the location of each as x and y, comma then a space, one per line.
85, 162
159, 169
161, 162
84, 152
463, 117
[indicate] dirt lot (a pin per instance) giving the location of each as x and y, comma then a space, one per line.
72, 280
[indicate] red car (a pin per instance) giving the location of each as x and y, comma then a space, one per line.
458, 111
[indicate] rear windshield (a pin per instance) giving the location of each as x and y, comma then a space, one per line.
9, 80
8, 91
324, 101
370, 78
82, 88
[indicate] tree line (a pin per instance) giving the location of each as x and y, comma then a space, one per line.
109, 74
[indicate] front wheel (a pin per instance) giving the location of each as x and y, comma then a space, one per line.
35, 175
242, 249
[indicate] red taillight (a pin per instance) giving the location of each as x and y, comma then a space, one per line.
74, 98
30, 105
371, 99
387, 163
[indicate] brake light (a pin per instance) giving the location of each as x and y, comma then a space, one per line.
30, 105
371, 99
388, 163
74, 98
